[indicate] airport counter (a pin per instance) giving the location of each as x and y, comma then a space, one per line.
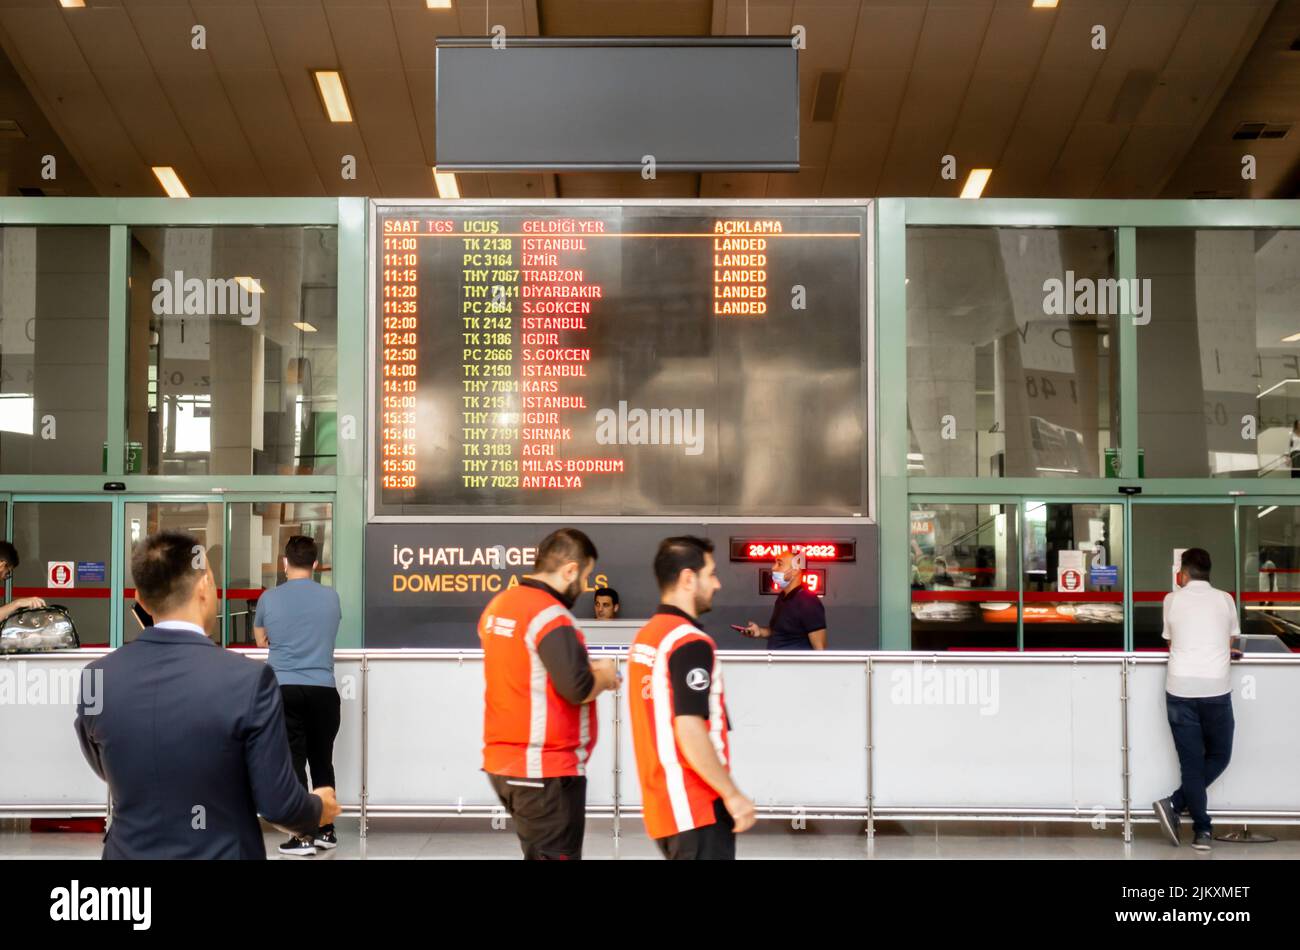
856, 736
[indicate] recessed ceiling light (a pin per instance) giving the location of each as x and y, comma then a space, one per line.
72, 3
251, 284
329, 83
1044, 4
1293, 338
446, 184
170, 181
438, 4
975, 182
305, 327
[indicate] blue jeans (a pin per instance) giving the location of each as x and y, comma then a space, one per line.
1202, 731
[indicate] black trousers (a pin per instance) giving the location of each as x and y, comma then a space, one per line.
715, 842
550, 814
1202, 730
311, 717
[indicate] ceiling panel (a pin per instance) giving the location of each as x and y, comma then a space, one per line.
992, 82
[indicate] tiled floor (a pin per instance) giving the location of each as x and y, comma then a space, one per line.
842, 840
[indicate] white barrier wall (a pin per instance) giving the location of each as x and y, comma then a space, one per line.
955, 732
980, 734
1264, 774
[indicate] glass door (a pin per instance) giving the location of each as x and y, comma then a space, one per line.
64, 545
1162, 529
1074, 558
1270, 574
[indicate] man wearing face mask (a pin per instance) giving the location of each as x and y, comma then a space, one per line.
798, 617
539, 724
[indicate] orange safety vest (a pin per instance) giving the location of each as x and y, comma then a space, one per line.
529, 730
674, 797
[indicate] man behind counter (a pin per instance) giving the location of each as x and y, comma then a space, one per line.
8, 563
798, 618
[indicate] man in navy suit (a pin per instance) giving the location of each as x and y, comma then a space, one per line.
190, 737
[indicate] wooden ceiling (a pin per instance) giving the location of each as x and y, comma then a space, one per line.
116, 87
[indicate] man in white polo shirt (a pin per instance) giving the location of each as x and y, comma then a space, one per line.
1200, 623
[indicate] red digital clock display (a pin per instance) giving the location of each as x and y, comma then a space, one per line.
814, 579
767, 549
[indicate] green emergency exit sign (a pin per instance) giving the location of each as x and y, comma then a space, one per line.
134, 458
1112, 463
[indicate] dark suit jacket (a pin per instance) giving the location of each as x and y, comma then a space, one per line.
191, 740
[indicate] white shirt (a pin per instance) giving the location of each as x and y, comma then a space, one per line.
1199, 624
180, 625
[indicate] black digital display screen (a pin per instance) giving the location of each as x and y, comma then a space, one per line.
620, 360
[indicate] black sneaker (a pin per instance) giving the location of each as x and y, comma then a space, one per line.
298, 847
1168, 818
1202, 841
326, 839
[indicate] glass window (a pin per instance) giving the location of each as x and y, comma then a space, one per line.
233, 350
1009, 336
1270, 577
1162, 531
1219, 361
53, 350
1074, 576
258, 533
201, 519
964, 566
63, 550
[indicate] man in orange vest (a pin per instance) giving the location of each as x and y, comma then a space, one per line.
692, 808
539, 725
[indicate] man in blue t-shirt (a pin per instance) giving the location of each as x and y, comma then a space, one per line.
299, 621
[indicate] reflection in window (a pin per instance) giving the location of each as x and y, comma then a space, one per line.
233, 350
963, 563
1074, 576
1160, 533
1009, 335
258, 534
53, 350
1270, 577
1219, 361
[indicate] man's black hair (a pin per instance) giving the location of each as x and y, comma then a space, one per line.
608, 592
9, 554
684, 553
1196, 562
300, 551
165, 567
562, 546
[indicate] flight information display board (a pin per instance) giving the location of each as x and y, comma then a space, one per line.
620, 360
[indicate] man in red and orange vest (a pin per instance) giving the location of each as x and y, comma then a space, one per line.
539, 725
692, 808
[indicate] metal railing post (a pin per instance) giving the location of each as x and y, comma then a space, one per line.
1123, 715
871, 811
618, 749
365, 740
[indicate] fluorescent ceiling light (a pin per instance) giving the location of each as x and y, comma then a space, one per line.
975, 182
251, 284
1044, 4
305, 327
70, 4
446, 184
1267, 511
438, 4
329, 83
1294, 337
170, 181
